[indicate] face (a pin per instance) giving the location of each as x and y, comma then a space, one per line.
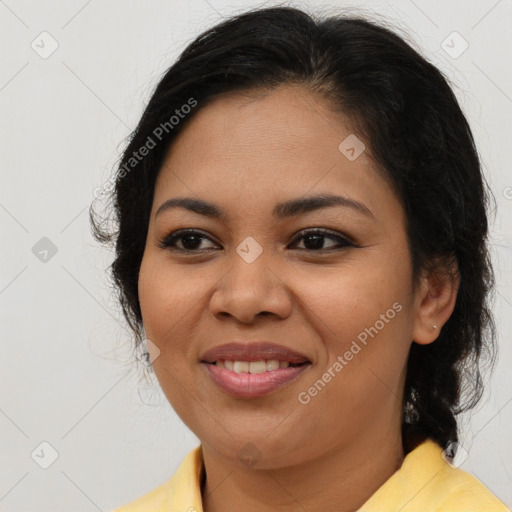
342, 298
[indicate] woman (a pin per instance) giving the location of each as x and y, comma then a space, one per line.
302, 244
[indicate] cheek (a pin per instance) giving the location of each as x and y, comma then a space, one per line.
169, 303
167, 298
363, 326
353, 295
362, 314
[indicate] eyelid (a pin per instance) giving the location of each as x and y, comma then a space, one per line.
326, 233
346, 241
165, 241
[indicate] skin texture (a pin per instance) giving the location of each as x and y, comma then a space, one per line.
245, 153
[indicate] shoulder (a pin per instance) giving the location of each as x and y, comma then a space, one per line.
426, 482
180, 492
460, 491
154, 500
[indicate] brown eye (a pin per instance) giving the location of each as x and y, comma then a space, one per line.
314, 240
190, 241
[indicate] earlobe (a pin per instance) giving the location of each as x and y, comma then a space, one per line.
437, 296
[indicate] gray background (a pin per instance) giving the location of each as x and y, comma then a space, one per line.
65, 372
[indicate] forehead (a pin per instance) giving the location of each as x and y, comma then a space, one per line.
266, 144
285, 121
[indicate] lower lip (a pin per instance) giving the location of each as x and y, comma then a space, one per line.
252, 385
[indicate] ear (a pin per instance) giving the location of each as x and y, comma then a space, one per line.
435, 301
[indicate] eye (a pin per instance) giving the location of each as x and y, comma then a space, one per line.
190, 241
314, 238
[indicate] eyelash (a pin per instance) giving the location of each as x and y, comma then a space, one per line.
168, 241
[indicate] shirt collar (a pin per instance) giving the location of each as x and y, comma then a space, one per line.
419, 467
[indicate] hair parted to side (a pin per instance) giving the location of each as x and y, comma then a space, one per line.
412, 125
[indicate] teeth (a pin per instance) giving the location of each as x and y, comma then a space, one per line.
241, 367
273, 364
253, 366
257, 367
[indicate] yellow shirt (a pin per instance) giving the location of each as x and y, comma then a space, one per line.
424, 483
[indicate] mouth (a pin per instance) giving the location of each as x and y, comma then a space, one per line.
253, 379
254, 367
252, 352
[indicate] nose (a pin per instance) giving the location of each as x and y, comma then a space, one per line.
251, 289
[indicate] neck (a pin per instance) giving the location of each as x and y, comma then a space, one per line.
341, 480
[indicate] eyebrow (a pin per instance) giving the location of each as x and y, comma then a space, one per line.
281, 210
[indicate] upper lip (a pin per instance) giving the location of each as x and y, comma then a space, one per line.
253, 351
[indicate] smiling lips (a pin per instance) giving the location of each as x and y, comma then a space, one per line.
250, 370
253, 351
